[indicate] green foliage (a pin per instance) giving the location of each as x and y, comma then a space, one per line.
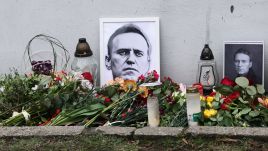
237, 105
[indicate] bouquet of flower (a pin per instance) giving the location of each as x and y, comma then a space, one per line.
235, 103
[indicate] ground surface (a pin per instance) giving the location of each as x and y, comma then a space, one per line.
113, 143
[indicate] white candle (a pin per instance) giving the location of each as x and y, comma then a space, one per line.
193, 105
153, 111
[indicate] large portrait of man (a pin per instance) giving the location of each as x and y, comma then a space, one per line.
129, 48
244, 59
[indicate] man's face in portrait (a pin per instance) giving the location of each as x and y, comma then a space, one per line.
242, 63
129, 56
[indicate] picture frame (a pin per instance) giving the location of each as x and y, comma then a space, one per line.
113, 32
235, 64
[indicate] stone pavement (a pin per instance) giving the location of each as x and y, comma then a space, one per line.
45, 131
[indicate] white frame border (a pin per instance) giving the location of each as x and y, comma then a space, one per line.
121, 20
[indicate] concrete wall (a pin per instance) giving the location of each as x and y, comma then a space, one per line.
182, 27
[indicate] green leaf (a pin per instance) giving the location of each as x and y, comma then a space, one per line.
242, 81
242, 100
254, 113
235, 111
220, 118
215, 105
217, 97
157, 91
260, 89
225, 90
251, 90
115, 97
245, 111
213, 119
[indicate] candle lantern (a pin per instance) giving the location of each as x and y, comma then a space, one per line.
84, 60
207, 74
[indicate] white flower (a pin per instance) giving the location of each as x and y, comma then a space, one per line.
26, 115
62, 83
15, 114
77, 75
35, 88
2, 89
86, 84
183, 89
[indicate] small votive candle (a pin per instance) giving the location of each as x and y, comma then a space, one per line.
153, 111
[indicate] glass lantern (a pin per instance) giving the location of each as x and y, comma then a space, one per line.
207, 73
84, 60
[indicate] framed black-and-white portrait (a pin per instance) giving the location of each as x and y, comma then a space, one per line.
129, 47
244, 59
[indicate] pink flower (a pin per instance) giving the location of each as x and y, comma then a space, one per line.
141, 78
123, 115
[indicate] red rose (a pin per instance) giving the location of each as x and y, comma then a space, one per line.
156, 75
141, 78
212, 94
234, 95
123, 115
227, 100
87, 76
199, 86
107, 100
227, 81
58, 79
224, 107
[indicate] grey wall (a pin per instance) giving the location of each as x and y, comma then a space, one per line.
182, 27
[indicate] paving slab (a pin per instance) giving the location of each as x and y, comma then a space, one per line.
158, 131
27, 131
116, 130
228, 131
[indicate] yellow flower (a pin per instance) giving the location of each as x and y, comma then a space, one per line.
144, 91
209, 104
129, 85
202, 98
209, 113
210, 98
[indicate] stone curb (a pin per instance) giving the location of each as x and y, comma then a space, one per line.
27, 131
255, 132
116, 130
158, 131
47, 131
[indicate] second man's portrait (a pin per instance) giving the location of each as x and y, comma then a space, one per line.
244, 60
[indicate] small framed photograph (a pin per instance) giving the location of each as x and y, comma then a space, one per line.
129, 47
244, 58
